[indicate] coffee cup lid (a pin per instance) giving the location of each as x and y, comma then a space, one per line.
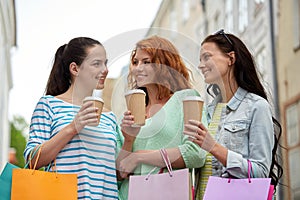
97, 93
192, 98
93, 99
134, 91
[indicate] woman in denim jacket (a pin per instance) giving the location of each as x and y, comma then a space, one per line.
246, 130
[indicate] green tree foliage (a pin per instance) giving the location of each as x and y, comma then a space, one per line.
17, 139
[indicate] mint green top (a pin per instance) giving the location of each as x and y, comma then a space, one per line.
165, 130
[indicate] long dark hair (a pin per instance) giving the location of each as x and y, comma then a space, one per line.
75, 51
247, 78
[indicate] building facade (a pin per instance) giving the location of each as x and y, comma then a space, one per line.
187, 22
288, 51
7, 41
270, 29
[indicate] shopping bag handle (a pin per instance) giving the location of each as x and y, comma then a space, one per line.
37, 158
249, 171
166, 159
31, 156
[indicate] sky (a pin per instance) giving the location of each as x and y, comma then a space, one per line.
44, 25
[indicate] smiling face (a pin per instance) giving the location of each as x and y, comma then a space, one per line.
142, 69
214, 64
93, 70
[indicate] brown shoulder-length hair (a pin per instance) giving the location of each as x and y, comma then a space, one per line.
171, 74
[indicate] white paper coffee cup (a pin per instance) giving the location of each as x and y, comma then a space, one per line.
97, 102
135, 101
192, 108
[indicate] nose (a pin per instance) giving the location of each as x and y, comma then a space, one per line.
201, 66
139, 66
104, 70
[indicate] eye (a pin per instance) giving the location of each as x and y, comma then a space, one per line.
146, 62
134, 62
205, 57
96, 63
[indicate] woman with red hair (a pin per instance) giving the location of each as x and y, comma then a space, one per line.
158, 69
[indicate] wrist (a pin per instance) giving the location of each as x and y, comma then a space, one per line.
71, 129
128, 137
139, 157
128, 145
220, 153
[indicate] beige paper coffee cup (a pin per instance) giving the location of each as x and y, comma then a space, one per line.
135, 100
192, 108
97, 102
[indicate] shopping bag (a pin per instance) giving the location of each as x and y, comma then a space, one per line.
5, 181
173, 185
28, 184
246, 189
271, 191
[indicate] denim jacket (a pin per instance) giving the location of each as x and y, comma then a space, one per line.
246, 130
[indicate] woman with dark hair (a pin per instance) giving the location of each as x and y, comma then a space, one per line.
245, 128
60, 120
157, 68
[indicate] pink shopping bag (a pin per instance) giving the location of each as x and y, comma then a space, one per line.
246, 189
174, 184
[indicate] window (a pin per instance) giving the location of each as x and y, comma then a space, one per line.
173, 21
229, 16
296, 24
294, 164
259, 1
186, 10
217, 22
262, 63
292, 121
243, 15
292, 118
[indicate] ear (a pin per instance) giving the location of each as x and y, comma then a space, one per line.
74, 69
232, 58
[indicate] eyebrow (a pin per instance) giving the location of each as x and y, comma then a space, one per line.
142, 59
204, 54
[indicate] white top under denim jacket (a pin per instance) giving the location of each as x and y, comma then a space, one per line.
246, 129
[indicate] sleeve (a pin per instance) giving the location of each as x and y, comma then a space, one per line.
40, 126
261, 142
193, 155
120, 140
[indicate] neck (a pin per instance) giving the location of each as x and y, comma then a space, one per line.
154, 104
152, 95
228, 90
74, 95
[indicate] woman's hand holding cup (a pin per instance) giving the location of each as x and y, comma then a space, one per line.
129, 131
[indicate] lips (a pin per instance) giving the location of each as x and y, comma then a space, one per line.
101, 79
140, 76
205, 71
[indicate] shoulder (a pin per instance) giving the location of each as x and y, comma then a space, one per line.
258, 102
45, 101
50, 100
109, 116
185, 93
106, 109
257, 99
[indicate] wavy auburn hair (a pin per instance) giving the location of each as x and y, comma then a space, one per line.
171, 74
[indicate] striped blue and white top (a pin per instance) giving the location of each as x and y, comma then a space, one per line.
90, 154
